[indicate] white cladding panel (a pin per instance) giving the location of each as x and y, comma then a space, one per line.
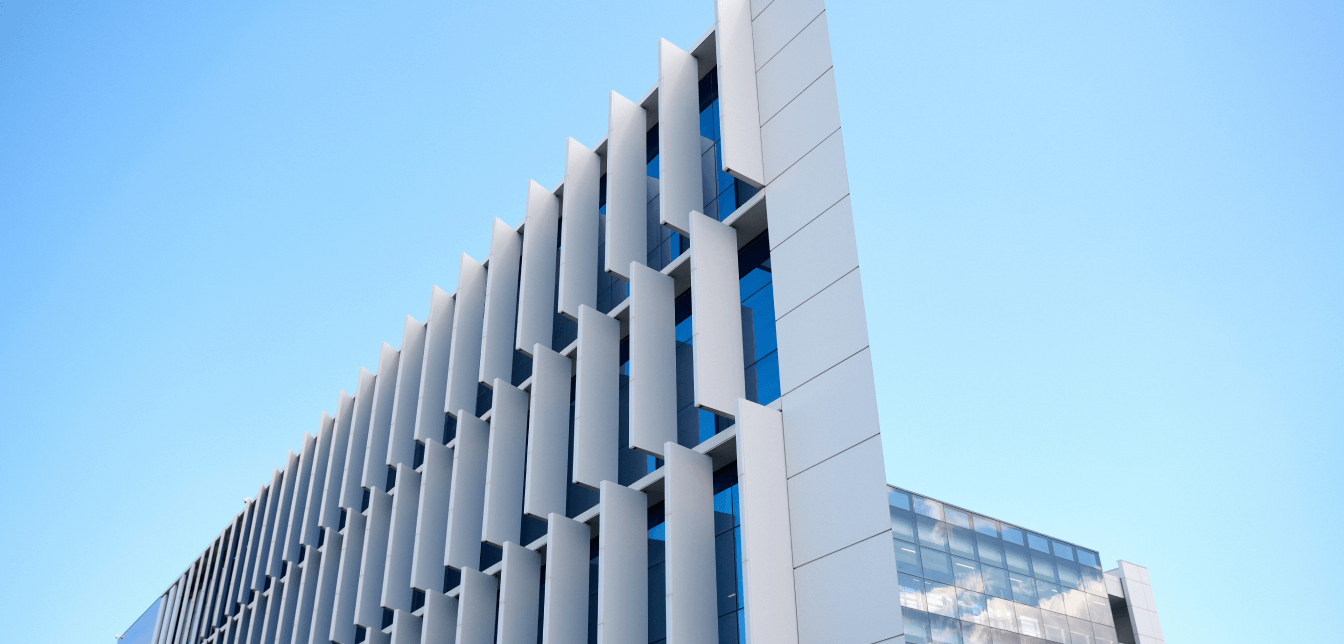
565, 616
330, 514
504, 475
738, 108
519, 601
312, 507
775, 25
434, 368
794, 68
717, 320
476, 607
806, 121
275, 508
597, 399
803, 352
536, 281
627, 193
653, 360
307, 600
548, 435
401, 436
288, 547
465, 510
679, 186
401, 539
347, 582
325, 603
692, 609
501, 300
431, 524
763, 496
623, 570
838, 502
831, 413
350, 492
465, 362
373, 562
848, 596
812, 186
374, 473
814, 258
440, 619
405, 628
578, 244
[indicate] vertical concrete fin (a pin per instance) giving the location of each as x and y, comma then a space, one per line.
739, 111
692, 609
431, 525
434, 372
330, 514
627, 189
565, 616
653, 361
374, 471
401, 436
401, 539
544, 487
297, 511
347, 581
373, 561
501, 304
519, 587
623, 571
351, 494
578, 234
465, 361
679, 182
716, 325
597, 399
763, 495
536, 282
503, 517
440, 618
312, 510
476, 607
467, 503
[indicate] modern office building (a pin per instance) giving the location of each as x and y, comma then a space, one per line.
647, 416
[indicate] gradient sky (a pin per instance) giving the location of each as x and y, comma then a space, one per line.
1102, 249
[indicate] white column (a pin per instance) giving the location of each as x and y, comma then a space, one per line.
501, 300
627, 189
440, 618
502, 519
312, 508
1138, 589
565, 618
536, 282
351, 492
692, 609
679, 186
330, 514
597, 399
431, 526
767, 556
380, 420
653, 360
578, 250
401, 539
347, 580
623, 567
373, 562
434, 372
716, 320
405, 400
476, 607
467, 505
739, 113
519, 586
465, 362
544, 489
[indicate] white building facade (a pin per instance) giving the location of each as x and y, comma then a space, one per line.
647, 416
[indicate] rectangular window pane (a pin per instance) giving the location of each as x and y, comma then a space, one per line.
1024, 589
902, 524
1056, 627
916, 626
937, 565
987, 527
971, 607
1049, 597
1093, 582
932, 533
996, 581
1038, 543
961, 542
929, 508
912, 591
990, 550
1029, 620
1068, 574
957, 517
1075, 603
1080, 632
1104, 635
1062, 550
967, 574
1043, 567
975, 634
898, 499
1017, 558
941, 599
1001, 614
1013, 535
944, 630
1099, 610
1006, 637
1088, 558
907, 559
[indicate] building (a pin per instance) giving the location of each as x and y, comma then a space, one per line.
648, 416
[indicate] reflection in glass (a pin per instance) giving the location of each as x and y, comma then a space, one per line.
1043, 567
1088, 559
1013, 535
957, 517
1099, 610
1068, 574
1029, 621
1080, 632
907, 558
975, 634
916, 626
996, 581
944, 630
967, 574
987, 527
1001, 614
1093, 582
929, 508
1075, 603
1062, 550
912, 591
1006, 637
1024, 589
961, 541
941, 599
971, 606
1017, 558
902, 524
937, 565
932, 533
1056, 627
1104, 635
1049, 597
991, 550
898, 499
1038, 543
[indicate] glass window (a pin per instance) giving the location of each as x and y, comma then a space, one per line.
985, 526
1017, 558
1093, 582
1037, 542
944, 630
971, 606
990, 550
932, 533
1088, 559
1013, 535
1001, 614
961, 542
1029, 620
996, 581
1024, 589
1006, 637
907, 559
1056, 627
967, 574
912, 591
1099, 610
1062, 550
957, 517
1080, 632
1068, 573
898, 499
1049, 597
937, 565
1075, 603
1043, 567
916, 626
1104, 635
941, 598
929, 508
902, 524
976, 634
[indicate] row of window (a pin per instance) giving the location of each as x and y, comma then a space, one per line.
1005, 627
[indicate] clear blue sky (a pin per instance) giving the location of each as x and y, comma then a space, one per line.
1102, 249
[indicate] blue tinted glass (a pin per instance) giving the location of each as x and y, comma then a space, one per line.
961, 542
912, 591
937, 565
1088, 559
1024, 589
652, 167
761, 304
996, 581
990, 550
929, 508
932, 533
944, 630
898, 499
957, 517
1093, 582
709, 122
987, 527
971, 606
976, 634
766, 374
902, 524
1043, 567
1068, 573
1062, 550
1038, 543
1017, 558
1013, 535
967, 574
916, 626
1048, 597
725, 565
907, 559
941, 599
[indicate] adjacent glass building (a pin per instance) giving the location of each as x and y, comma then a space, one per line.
648, 416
